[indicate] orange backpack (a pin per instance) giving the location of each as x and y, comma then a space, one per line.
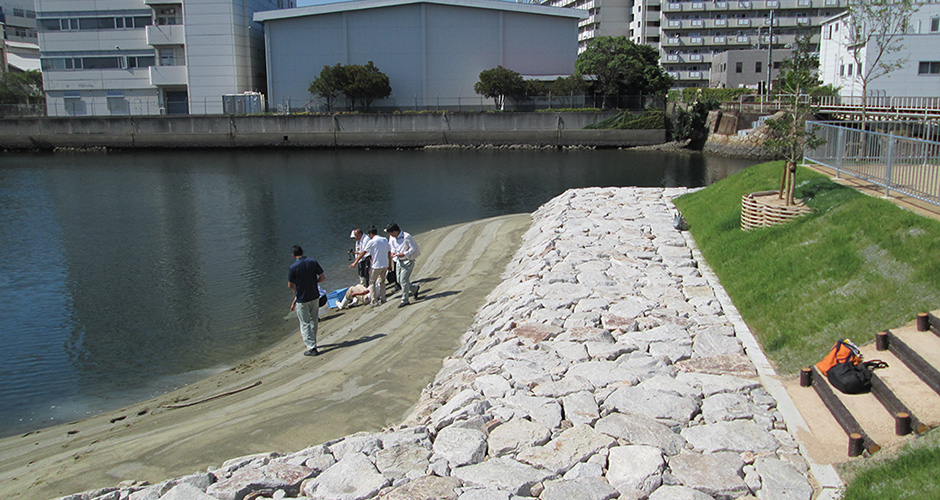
843, 352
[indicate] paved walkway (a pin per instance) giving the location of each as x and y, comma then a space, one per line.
902, 200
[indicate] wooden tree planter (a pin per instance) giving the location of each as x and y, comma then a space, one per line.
765, 208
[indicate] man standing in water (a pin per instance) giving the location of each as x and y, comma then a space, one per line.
302, 278
404, 252
377, 248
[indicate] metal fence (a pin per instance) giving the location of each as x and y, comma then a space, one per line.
908, 164
113, 106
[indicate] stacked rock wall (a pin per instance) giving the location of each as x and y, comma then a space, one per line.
724, 140
601, 367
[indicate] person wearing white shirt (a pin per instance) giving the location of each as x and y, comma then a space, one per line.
404, 251
378, 249
365, 264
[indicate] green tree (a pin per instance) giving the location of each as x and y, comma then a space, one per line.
621, 67
329, 85
365, 84
874, 32
565, 87
498, 83
21, 88
797, 81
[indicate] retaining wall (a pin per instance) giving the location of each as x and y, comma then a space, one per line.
353, 130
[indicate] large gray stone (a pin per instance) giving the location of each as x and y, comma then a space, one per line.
718, 474
403, 460
502, 473
352, 478
568, 449
580, 489
728, 406
708, 344
737, 435
665, 407
245, 480
602, 373
580, 408
463, 405
673, 492
635, 469
365, 443
460, 446
781, 481
546, 411
716, 384
492, 386
558, 388
186, 491
425, 488
517, 434
631, 428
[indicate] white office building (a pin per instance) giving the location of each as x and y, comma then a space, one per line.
432, 50
918, 76
147, 57
19, 21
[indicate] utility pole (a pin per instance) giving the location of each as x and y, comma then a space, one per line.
770, 52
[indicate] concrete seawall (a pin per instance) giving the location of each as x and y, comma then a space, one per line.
320, 131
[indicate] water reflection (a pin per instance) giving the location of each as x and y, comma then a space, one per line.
122, 274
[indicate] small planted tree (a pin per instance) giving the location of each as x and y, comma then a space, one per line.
874, 33
498, 83
797, 81
329, 85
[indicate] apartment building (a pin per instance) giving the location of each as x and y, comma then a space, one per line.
147, 57
694, 31
605, 18
918, 76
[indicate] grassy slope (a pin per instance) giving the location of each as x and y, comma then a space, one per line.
855, 266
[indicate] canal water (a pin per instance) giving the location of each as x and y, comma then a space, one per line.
124, 275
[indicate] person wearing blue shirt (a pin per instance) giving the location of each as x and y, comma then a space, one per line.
302, 278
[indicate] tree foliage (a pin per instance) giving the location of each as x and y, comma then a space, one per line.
622, 67
358, 83
875, 31
329, 85
498, 83
21, 88
797, 82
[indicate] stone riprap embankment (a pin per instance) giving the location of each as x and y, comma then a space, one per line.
603, 366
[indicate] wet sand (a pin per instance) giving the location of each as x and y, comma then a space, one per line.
373, 365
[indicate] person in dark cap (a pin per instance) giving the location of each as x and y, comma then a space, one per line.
302, 278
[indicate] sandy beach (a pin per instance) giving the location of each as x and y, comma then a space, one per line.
375, 363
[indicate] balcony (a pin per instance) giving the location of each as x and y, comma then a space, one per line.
773, 4
698, 23
167, 75
674, 7
168, 34
720, 6
696, 40
743, 22
698, 5
719, 40
674, 23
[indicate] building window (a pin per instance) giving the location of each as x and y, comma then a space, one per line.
168, 16
928, 68
94, 23
738, 67
851, 67
758, 66
841, 70
934, 24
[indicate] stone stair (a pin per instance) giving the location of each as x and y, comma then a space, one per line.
904, 401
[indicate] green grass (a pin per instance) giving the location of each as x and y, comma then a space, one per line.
856, 265
910, 474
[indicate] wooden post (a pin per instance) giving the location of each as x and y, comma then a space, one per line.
806, 377
902, 423
881, 341
855, 444
923, 322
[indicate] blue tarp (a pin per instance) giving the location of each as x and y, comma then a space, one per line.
335, 297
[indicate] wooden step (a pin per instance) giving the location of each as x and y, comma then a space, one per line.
919, 351
845, 409
916, 396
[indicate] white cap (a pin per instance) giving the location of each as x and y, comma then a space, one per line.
352, 234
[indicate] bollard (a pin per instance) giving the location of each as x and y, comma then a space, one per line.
902, 423
806, 377
855, 444
881, 340
923, 322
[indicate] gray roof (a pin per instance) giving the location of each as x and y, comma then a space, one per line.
341, 6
